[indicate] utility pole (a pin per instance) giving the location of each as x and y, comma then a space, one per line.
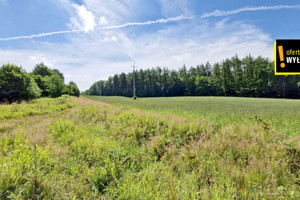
100, 89
134, 95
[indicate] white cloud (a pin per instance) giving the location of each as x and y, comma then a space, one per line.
102, 21
213, 44
93, 58
26, 58
85, 20
87, 58
183, 57
116, 11
39, 59
109, 39
176, 7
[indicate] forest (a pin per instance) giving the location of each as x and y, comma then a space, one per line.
246, 77
17, 85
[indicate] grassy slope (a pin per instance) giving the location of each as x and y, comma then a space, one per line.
78, 148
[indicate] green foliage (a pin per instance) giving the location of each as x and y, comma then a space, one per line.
52, 83
72, 89
61, 75
280, 113
41, 82
17, 85
36, 107
23, 169
55, 85
164, 157
34, 91
100, 151
42, 70
14, 83
247, 77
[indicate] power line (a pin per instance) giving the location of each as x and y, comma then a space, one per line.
134, 94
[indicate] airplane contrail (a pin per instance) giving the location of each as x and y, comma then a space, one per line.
161, 21
216, 13
37, 35
166, 20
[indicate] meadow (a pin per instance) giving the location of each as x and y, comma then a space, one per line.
152, 148
279, 114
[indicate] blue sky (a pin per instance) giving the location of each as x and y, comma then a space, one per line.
89, 40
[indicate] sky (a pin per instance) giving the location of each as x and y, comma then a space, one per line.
90, 40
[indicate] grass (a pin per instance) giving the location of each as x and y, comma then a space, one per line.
36, 107
92, 150
280, 114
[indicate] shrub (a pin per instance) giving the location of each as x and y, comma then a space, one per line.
14, 83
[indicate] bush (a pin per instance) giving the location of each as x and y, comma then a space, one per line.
14, 83
17, 85
33, 90
72, 89
55, 86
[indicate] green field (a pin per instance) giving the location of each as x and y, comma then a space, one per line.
152, 148
280, 114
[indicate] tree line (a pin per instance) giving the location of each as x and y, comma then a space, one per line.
247, 77
17, 85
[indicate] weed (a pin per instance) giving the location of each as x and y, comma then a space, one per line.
177, 151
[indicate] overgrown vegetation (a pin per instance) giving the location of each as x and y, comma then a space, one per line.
35, 107
281, 115
96, 151
247, 77
17, 85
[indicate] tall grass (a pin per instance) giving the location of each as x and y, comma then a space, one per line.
105, 152
35, 107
